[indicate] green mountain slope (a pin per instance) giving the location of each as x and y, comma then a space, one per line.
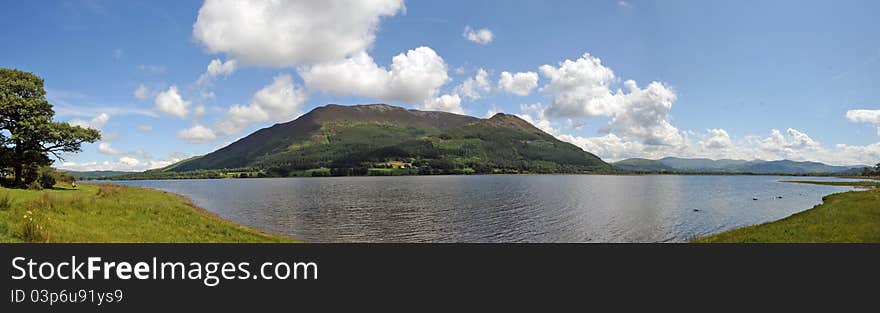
351, 140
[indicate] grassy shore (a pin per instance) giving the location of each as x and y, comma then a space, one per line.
112, 213
848, 217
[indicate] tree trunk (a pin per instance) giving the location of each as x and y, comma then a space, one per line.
17, 173
17, 159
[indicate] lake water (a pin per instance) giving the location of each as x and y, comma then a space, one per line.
500, 208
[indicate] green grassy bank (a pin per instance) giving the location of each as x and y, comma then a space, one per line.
848, 217
112, 213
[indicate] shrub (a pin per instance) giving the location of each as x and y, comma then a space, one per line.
47, 180
5, 202
31, 230
35, 185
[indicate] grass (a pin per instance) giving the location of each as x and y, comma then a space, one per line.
113, 214
848, 217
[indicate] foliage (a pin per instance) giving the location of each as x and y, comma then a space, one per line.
28, 136
5, 201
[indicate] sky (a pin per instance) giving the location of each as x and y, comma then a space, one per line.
166, 80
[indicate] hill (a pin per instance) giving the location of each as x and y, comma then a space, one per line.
381, 139
84, 175
726, 166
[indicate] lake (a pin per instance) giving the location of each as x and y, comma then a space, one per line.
500, 208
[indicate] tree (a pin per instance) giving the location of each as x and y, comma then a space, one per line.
877, 169
28, 136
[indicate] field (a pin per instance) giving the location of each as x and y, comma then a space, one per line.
112, 213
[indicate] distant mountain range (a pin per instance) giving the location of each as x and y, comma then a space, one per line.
683, 165
353, 140
81, 175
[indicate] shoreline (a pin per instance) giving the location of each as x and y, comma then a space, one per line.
198, 209
843, 217
116, 213
113, 179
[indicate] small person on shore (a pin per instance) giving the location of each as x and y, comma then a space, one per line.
73, 183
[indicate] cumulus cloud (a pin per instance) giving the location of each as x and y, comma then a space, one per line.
170, 102
196, 134
582, 88
448, 103
414, 76
279, 101
475, 87
95, 123
481, 36
865, 116
124, 163
718, 139
142, 92
291, 33
520, 84
534, 114
106, 148
216, 69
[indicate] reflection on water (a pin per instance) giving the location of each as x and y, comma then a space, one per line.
500, 208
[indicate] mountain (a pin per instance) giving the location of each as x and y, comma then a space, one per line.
350, 140
94, 174
683, 165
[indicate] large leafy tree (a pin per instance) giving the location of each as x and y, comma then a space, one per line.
29, 138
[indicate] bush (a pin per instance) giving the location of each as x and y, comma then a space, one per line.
47, 180
35, 185
5, 202
31, 230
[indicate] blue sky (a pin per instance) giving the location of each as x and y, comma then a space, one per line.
737, 79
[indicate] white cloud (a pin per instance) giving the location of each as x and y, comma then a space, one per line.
196, 134
279, 101
624, 4
217, 68
121, 164
719, 139
474, 87
520, 84
199, 111
142, 92
413, 77
291, 33
865, 116
171, 103
540, 120
95, 123
446, 103
106, 148
640, 126
131, 162
582, 88
481, 36
145, 127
